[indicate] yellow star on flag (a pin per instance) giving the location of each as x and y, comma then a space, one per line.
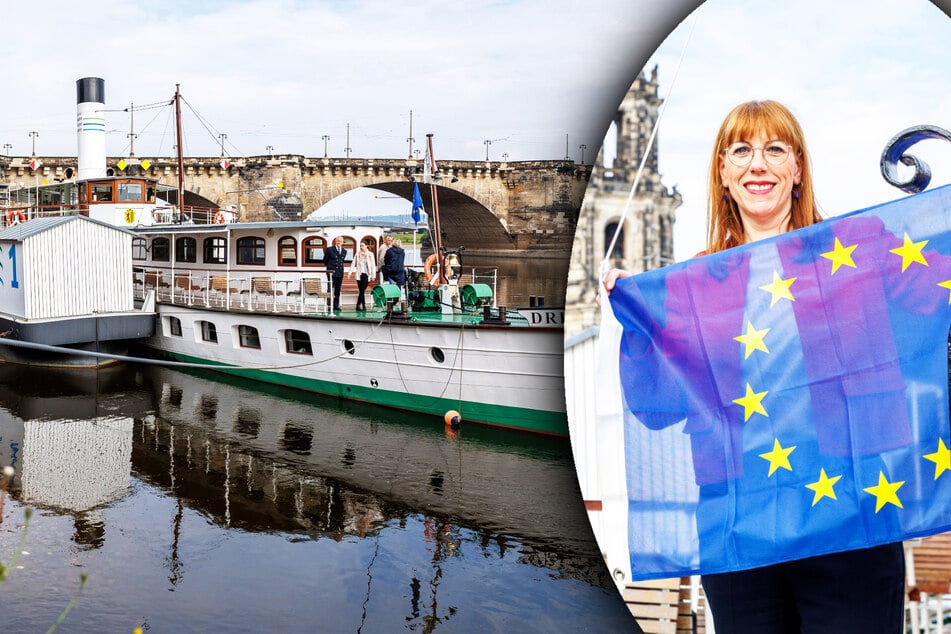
910, 252
941, 458
840, 256
823, 487
885, 492
751, 402
946, 284
779, 288
753, 339
778, 457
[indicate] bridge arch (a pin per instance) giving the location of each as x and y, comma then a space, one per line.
464, 221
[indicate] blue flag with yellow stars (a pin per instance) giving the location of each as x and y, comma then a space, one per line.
417, 204
789, 398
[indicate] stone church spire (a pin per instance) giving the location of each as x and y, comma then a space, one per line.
646, 240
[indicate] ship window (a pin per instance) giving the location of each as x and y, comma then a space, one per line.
251, 250
131, 192
248, 337
438, 355
314, 251
185, 250
215, 251
175, 326
160, 249
350, 245
102, 192
372, 244
348, 346
298, 342
287, 251
138, 248
208, 332
150, 194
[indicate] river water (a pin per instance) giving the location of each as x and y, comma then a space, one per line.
198, 502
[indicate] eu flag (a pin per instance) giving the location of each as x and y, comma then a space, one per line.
417, 204
789, 398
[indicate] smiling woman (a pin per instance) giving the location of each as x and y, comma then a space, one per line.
760, 178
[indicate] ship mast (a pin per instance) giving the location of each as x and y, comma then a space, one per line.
437, 232
181, 160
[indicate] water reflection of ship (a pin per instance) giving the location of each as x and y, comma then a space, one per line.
70, 451
263, 460
267, 461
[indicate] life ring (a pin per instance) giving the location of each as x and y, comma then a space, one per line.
431, 269
219, 217
15, 217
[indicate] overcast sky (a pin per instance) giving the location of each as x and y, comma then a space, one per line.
854, 72
283, 73
521, 74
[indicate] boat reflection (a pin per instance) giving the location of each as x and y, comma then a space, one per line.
274, 460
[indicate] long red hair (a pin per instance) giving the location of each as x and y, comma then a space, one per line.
724, 225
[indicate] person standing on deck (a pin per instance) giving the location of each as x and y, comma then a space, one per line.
381, 253
393, 259
334, 258
363, 268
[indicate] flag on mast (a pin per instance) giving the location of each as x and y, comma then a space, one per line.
417, 204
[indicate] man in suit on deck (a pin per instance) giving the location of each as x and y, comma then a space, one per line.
334, 257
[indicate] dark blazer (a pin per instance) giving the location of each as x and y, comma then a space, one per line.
393, 265
334, 260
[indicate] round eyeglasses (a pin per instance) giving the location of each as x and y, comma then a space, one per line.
741, 153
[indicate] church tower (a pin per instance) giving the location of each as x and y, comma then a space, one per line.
646, 240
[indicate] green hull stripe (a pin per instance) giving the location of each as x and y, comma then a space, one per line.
525, 419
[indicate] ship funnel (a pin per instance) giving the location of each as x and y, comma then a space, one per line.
91, 127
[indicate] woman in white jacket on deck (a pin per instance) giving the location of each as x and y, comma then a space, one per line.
363, 268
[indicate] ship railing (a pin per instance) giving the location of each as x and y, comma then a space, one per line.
481, 275
299, 292
170, 214
18, 214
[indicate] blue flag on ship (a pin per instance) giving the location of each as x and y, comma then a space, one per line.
417, 204
789, 398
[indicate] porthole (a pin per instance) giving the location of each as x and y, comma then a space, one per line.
348, 346
437, 355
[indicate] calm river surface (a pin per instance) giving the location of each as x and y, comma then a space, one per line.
201, 503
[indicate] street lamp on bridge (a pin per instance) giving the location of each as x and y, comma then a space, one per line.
325, 138
487, 144
583, 147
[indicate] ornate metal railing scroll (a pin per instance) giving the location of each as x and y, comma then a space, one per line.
895, 152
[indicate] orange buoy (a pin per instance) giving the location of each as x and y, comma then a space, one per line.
453, 418
431, 269
15, 217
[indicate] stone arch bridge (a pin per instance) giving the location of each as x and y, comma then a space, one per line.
488, 206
